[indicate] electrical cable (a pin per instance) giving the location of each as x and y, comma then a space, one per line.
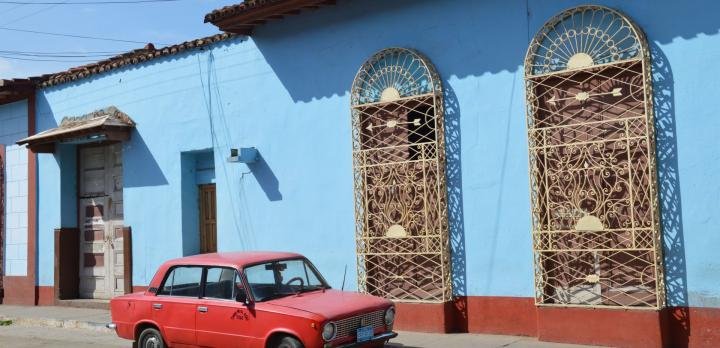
111, 2
29, 14
30, 55
41, 53
74, 36
48, 60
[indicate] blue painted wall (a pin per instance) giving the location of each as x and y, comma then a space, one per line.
285, 92
13, 127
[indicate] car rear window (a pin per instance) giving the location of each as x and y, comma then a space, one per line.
220, 283
182, 281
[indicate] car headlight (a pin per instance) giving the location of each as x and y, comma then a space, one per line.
328, 332
390, 316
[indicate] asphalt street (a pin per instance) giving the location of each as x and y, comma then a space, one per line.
15, 336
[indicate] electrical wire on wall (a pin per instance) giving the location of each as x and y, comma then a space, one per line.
217, 145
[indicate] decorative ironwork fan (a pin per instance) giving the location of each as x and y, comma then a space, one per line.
583, 37
392, 74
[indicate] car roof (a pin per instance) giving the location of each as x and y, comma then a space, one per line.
232, 259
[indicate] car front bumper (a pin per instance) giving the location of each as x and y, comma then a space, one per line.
379, 338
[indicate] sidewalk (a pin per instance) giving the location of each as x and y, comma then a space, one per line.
60, 317
95, 320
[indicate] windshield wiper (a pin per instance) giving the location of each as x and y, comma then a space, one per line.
311, 288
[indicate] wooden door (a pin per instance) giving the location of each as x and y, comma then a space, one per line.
208, 222
101, 214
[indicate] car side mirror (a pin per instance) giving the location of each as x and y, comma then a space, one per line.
241, 296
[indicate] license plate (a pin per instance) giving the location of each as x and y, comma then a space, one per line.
364, 333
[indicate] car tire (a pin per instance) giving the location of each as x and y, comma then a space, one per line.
150, 338
288, 342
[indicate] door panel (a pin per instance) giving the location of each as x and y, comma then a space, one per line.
93, 248
176, 303
101, 220
118, 261
92, 171
226, 323
177, 316
221, 321
114, 188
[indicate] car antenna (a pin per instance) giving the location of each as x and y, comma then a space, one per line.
344, 274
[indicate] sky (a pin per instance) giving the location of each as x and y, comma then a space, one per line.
161, 23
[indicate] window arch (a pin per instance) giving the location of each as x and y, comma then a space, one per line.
595, 216
399, 174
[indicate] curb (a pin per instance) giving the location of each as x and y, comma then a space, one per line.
58, 323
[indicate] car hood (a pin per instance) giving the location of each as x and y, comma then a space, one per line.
332, 304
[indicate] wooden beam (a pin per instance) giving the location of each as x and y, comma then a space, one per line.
118, 134
42, 148
14, 97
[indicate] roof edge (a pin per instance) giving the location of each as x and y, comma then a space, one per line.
137, 56
242, 18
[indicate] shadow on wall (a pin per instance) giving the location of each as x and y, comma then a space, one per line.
140, 167
317, 54
456, 217
669, 194
266, 178
691, 18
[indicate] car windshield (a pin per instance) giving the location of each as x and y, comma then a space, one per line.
280, 278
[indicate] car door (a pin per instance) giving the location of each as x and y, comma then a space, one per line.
174, 308
221, 320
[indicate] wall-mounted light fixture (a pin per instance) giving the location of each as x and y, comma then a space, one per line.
243, 155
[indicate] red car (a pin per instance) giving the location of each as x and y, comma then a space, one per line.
251, 299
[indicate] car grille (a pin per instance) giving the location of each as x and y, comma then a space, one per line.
348, 326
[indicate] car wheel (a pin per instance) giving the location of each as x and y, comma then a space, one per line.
288, 342
150, 338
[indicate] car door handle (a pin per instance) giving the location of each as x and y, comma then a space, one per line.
157, 305
202, 309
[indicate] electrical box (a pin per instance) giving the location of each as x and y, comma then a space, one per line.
243, 155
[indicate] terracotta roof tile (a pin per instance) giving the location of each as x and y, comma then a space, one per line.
231, 10
243, 17
149, 52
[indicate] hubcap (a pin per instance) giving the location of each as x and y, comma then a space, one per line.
152, 342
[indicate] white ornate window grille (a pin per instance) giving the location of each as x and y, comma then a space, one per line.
595, 216
399, 173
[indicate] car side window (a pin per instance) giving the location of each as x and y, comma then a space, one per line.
220, 283
182, 281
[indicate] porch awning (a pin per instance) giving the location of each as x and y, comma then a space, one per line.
109, 124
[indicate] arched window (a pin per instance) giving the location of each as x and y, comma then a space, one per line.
399, 172
596, 231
